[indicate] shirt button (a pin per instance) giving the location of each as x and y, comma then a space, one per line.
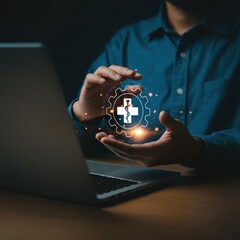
183, 54
180, 91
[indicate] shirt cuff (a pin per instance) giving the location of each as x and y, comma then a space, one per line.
217, 151
80, 127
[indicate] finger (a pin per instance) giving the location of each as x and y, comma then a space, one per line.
139, 159
132, 149
111, 136
169, 122
106, 72
100, 135
92, 80
122, 153
126, 72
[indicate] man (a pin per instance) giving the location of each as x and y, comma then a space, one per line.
189, 53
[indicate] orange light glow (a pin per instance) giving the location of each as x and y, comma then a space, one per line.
139, 133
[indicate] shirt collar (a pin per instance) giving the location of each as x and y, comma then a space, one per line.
158, 23
216, 23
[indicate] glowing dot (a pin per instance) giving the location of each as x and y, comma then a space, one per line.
102, 107
156, 95
99, 129
100, 94
120, 119
150, 94
86, 128
154, 111
85, 114
111, 111
156, 129
135, 70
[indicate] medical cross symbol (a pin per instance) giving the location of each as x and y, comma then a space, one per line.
127, 110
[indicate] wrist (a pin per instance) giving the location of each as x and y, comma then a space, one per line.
81, 117
197, 150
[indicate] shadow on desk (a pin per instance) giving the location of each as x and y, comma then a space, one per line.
198, 207
209, 176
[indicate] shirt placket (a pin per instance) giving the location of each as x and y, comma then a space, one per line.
180, 82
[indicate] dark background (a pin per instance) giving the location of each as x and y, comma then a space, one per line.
75, 31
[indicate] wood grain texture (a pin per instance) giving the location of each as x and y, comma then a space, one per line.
199, 207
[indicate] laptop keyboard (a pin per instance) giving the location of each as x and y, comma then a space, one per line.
106, 184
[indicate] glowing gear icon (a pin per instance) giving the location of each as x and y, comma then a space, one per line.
120, 105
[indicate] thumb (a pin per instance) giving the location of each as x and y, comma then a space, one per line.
169, 122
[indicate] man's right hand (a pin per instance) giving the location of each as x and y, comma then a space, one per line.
97, 85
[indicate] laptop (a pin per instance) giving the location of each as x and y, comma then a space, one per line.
39, 150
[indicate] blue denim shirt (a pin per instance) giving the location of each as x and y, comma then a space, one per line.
196, 77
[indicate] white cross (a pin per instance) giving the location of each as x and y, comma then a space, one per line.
127, 110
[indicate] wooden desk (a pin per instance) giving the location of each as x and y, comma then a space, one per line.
197, 208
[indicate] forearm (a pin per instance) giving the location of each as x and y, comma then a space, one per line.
222, 150
86, 132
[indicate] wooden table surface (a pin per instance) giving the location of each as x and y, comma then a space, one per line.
199, 207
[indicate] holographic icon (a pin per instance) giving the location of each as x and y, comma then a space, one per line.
128, 111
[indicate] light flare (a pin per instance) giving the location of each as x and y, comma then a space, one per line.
139, 133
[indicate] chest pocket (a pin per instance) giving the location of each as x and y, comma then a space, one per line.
215, 88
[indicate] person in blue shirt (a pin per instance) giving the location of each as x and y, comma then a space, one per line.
189, 57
